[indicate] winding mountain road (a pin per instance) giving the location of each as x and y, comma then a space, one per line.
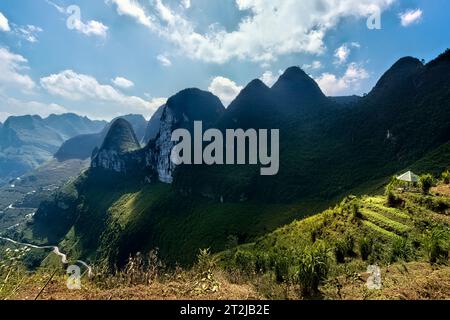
55, 250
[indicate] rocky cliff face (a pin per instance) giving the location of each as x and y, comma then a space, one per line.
118, 148
180, 112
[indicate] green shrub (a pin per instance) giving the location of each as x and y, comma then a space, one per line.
437, 245
378, 253
392, 200
426, 182
245, 261
392, 185
262, 262
446, 177
365, 248
401, 250
281, 266
343, 248
314, 265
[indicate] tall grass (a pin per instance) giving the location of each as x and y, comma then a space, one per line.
437, 245
313, 269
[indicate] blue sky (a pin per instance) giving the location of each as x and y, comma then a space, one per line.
128, 56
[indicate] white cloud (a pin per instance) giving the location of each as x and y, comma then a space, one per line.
226, 89
410, 17
12, 106
164, 60
4, 24
332, 85
133, 9
315, 65
269, 78
186, 4
91, 28
29, 32
155, 103
79, 87
270, 28
11, 71
122, 82
342, 53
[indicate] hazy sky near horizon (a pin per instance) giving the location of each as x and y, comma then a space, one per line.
106, 58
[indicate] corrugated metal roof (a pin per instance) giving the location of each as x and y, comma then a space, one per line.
409, 177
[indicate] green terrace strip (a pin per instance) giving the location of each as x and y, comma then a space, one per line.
384, 222
390, 212
380, 230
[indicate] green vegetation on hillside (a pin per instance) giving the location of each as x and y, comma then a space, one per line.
323, 256
357, 232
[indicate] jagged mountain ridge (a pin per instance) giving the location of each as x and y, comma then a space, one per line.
325, 153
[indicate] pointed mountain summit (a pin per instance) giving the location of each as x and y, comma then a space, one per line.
398, 80
295, 90
81, 146
120, 138
255, 91
252, 108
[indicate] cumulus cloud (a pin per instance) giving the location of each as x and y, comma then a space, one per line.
333, 85
226, 89
90, 28
134, 10
122, 82
4, 24
410, 17
269, 78
164, 60
80, 87
12, 106
270, 28
341, 54
12, 67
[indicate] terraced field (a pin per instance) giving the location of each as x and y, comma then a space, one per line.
381, 219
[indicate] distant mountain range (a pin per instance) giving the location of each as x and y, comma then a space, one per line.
135, 199
28, 141
81, 146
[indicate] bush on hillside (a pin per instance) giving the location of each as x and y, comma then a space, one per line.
437, 245
365, 248
245, 261
401, 250
426, 182
281, 265
313, 269
344, 248
393, 200
446, 177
